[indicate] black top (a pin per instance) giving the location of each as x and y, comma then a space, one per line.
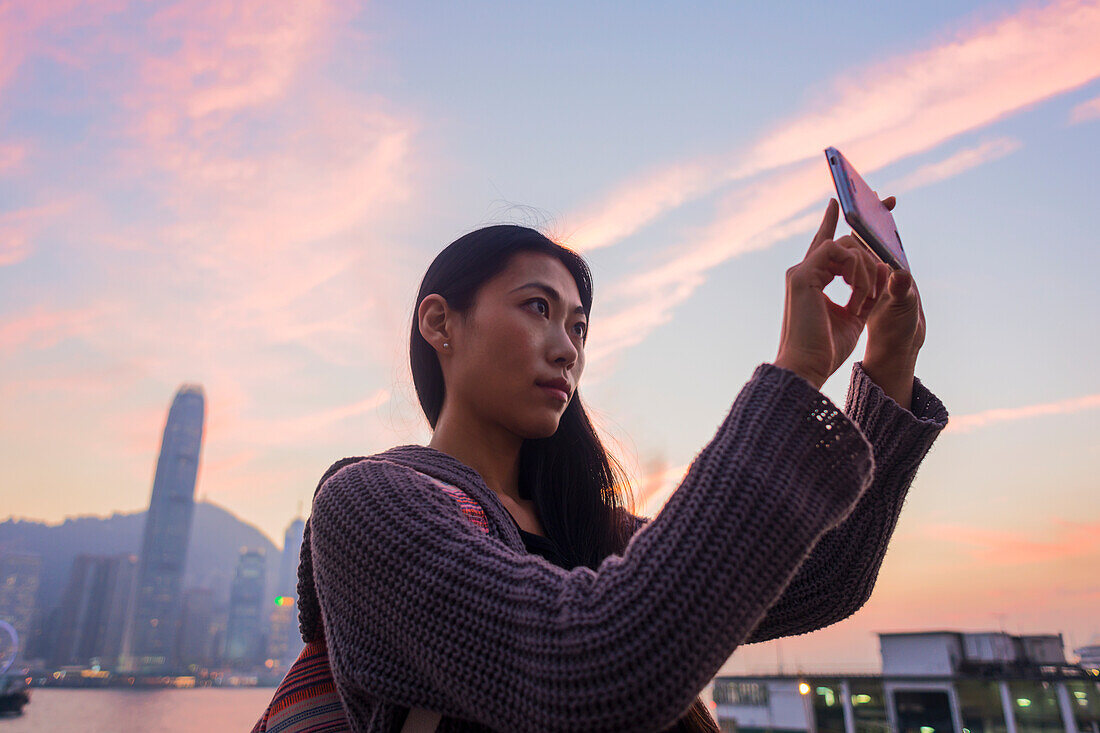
537, 544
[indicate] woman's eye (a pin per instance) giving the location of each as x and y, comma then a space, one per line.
584, 326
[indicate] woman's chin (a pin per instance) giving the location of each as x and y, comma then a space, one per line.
538, 429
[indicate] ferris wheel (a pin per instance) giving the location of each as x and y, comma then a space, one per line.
9, 645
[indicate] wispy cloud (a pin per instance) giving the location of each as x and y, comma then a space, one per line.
966, 79
19, 227
656, 486
897, 108
234, 226
41, 327
11, 155
955, 164
1089, 110
660, 481
973, 421
1006, 547
301, 429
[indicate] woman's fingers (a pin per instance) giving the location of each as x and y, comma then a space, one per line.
861, 284
828, 226
882, 278
889, 202
848, 258
857, 266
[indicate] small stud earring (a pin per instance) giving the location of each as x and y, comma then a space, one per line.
446, 345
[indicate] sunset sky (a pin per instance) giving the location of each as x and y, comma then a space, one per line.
246, 194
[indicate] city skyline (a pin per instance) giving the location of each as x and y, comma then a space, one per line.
248, 200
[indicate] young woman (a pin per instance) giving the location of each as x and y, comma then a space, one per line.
562, 610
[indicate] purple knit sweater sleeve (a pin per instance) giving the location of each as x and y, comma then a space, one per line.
837, 578
423, 610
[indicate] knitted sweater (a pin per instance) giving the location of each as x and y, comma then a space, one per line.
778, 528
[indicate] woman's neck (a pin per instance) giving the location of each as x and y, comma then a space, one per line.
494, 454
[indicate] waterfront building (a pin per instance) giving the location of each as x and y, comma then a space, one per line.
92, 614
285, 636
194, 648
284, 642
244, 643
1090, 655
155, 618
931, 682
288, 562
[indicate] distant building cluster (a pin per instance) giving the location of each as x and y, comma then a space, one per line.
931, 682
129, 613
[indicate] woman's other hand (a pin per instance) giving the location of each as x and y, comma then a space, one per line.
895, 334
818, 335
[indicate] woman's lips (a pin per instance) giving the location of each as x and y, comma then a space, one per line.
556, 393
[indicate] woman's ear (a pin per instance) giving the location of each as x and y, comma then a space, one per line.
432, 317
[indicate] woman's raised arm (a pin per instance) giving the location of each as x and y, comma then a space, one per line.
423, 610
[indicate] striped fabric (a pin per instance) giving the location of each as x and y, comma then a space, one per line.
469, 507
306, 700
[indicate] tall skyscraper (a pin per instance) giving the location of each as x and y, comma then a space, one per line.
167, 532
93, 610
286, 640
288, 566
244, 643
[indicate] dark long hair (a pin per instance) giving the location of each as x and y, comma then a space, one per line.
581, 492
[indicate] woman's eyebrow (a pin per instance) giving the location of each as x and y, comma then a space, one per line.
548, 290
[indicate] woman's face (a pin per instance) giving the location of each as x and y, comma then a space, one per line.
516, 336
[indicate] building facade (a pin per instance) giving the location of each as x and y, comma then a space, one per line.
194, 648
931, 682
244, 642
286, 640
92, 615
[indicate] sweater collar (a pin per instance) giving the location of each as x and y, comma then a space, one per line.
447, 468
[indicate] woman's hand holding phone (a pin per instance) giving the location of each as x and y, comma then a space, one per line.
818, 335
895, 334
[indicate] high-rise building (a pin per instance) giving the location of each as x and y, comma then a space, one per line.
196, 629
158, 598
92, 615
19, 576
286, 640
244, 643
284, 643
288, 565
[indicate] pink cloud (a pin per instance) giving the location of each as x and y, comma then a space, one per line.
968, 80
11, 155
41, 327
1089, 110
973, 421
657, 486
955, 164
19, 227
899, 107
896, 108
313, 426
233, 55
1003, 547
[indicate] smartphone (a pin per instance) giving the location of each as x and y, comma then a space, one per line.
870, 220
